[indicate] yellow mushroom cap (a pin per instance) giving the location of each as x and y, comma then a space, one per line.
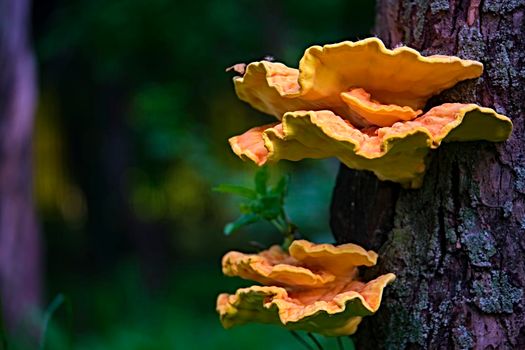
306, 265
334, 311
312, 287
400, 77
274, 267
250, 145
337, 260
395, 153
364, 107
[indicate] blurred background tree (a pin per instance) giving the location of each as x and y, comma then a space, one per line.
133, 116
20, 264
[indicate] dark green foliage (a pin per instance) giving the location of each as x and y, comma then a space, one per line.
265, 202
142, 109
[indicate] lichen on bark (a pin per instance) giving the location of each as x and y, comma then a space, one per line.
495, 294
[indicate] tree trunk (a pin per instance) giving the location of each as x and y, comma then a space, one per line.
457, 245
19, 240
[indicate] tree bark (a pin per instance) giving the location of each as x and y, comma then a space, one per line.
19, 239
457, 245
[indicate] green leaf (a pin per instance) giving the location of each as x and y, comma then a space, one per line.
243, 220
268, 207
282, 186
261, 180
238, 190
246, 208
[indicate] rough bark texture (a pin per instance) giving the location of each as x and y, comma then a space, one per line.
19, 240
457, 244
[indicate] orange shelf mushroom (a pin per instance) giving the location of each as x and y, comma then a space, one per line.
395, 153
400, 77
314, 287
362, 103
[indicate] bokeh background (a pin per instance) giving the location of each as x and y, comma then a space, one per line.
135, 109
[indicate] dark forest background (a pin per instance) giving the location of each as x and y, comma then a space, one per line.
133, 117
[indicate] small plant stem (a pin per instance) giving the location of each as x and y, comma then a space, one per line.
282, 228
286, 228
340, 343
301, 340
287, 242
257, 245
316, 342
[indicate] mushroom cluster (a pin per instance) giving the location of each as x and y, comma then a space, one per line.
362, 103
312, 287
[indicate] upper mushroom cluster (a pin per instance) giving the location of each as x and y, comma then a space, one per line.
313, 287
362, 103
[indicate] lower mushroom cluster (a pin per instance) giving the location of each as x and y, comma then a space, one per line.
313, 287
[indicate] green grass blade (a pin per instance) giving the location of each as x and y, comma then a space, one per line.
57, 302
